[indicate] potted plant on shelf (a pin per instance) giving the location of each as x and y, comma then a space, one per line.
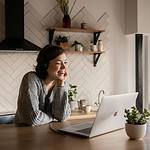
78, 46
64, 6
62, 41
136, 122
72, 93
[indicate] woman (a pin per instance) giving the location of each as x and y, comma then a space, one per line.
43, 93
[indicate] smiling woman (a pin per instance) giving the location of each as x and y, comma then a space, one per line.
43, 93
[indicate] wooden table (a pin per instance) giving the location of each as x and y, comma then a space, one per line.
43, 138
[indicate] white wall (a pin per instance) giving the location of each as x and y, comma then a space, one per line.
137, 12
143, 19
112, 71
146, 70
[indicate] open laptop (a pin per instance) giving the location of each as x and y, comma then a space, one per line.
109, 116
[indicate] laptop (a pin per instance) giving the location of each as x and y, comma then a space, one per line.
109, 116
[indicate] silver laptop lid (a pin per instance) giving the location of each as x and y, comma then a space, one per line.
110, 115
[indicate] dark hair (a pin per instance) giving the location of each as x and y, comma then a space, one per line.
45, 55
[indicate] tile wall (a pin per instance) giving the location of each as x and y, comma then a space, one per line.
89, 79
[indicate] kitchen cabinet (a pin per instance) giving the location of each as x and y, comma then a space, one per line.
96, 34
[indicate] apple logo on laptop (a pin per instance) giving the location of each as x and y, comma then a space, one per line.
115, 114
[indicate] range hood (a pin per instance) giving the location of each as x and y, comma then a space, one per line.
14, 28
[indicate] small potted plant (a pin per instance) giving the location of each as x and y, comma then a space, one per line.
62, 41
78, 46
72, 93
136, 122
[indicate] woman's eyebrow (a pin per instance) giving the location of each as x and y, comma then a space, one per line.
61, 60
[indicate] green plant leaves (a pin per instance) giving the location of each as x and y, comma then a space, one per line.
72, 92
64, 6
133, 116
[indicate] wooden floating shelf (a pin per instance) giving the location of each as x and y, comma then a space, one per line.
96, 33
84, 52
96, 55
88, 30
97, 52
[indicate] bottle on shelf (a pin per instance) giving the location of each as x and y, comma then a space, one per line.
100, 45
93, 47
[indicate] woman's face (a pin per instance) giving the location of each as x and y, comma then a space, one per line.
58, 67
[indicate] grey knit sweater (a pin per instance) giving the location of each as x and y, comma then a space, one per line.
36, 106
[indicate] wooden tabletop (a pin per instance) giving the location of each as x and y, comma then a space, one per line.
43, 138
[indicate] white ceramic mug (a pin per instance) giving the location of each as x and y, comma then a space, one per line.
88, 108
83, 103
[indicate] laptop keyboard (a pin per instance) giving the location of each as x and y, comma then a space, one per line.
86, 130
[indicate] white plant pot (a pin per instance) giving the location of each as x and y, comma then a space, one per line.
73, 105
135, 131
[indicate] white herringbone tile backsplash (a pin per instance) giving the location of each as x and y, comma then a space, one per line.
89, 79
12, 68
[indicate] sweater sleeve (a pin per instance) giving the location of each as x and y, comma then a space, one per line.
28, 103
60, 105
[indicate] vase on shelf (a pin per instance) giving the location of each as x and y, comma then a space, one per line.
66, 21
